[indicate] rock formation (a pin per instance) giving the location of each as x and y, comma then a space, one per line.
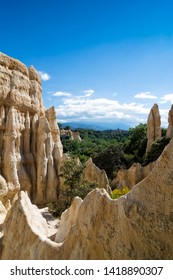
94, 174
153, 126
138, 225
169, 133
73, 135
30, 146
132, 176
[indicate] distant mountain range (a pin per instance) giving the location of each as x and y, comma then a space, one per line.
96, 126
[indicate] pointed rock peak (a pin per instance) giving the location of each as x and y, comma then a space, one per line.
153, 126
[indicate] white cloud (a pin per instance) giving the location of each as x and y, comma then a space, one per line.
101, 109
167, 98
62, 93
89, 91
44, 76
145, 95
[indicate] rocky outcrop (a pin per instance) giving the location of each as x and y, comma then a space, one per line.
94, 174
30, 146
169, 132
68, 219
138, 225
132, 176
72, 135
153, 126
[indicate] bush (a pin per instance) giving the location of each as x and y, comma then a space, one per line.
75, 185
110, 159
156, 150
117, 193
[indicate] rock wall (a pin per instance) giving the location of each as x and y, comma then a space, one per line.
138, 225
153, 126
30, 146
132, 176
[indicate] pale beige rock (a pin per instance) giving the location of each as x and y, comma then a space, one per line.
132, 176
3, 213
138, 225
47, 180
27, 228
68, 219
169, 132
30, 146
3, 187
94, 174
153, 126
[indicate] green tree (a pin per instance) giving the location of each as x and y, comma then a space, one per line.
76, 184
156, 150
110, 159
136, 142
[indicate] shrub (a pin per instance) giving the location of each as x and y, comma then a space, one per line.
156, 150
117, 193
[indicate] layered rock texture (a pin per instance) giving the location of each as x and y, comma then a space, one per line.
30, 146
138, 225
153, 126
132, 176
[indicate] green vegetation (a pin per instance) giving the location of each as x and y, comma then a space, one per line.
74, 185
112, 150
156, 150
117, 193
77, 185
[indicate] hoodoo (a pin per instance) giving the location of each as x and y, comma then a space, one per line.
30, 146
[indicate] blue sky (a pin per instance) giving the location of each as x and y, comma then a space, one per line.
100, 61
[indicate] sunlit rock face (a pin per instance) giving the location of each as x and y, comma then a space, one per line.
153, 126
94, 174
132, 176
138, 225
30, 146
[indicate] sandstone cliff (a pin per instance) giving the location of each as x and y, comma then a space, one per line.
30, 146
153, 126
138, 225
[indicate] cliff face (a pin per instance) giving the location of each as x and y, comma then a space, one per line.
138, 225
30, 146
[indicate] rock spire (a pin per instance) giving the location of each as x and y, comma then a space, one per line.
30, 146
153, 126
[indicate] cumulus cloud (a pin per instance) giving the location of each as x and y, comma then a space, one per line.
145, 95
89, 92
84, 108
44, 76
167, 98
62, 93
